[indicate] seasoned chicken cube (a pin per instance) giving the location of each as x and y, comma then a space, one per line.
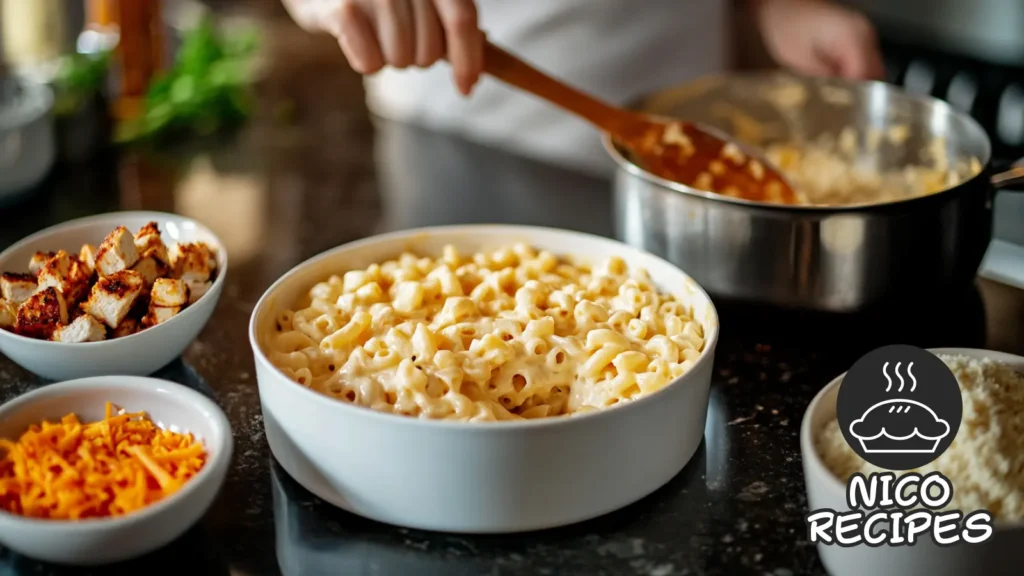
80, 271
87, 255
17, 288
150, 268
168, 293
117, 252
55, 271
58, 265
210, 253
197, 290
112, 297
41, 314
38, 260
127, 327
192, 262
159, 315
149, 243
67, 275
8, 315
85, 328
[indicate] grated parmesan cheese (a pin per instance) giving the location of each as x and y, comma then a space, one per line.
985, 462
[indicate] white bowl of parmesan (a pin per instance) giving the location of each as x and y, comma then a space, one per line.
984, 465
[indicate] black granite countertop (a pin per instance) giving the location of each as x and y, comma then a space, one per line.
280, 193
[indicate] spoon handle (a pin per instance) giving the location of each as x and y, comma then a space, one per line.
512, 70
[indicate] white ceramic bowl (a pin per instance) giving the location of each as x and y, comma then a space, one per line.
480, 477
139, 354
998, 555
104, 540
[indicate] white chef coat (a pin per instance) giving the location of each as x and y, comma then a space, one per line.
616, 49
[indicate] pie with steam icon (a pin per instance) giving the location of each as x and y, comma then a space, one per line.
899, 425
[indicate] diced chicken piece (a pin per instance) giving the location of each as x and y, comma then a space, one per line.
127, 327
197, 290
54, 273
80, 271
211, 254
192, 262
85, 328
149, 243
112, 297
88, 257
17, 288
38, 260
8, 315
67, 275
150, 268
159, 315
117, 252
41, 314
58, 265
169, 292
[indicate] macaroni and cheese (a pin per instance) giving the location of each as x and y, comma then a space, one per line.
509, 334
832, 172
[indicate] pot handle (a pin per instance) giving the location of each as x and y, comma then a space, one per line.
1011, 179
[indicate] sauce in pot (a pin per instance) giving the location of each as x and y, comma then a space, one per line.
681, 153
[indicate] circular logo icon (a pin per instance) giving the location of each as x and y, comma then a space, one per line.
899, 407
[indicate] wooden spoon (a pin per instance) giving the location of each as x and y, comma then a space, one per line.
684, 152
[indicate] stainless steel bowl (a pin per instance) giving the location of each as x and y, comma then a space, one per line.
829, 258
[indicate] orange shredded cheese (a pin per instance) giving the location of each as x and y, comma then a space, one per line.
68, 470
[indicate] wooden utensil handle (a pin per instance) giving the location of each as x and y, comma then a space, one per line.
512, 70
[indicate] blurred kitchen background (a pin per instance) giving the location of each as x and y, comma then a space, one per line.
133, 75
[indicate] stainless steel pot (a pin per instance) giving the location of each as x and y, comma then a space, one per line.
838, 259
27, 139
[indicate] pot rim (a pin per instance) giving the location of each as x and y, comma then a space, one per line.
925, 101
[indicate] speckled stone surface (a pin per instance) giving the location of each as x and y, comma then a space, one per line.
280, 193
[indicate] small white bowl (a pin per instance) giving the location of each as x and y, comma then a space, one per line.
996, 556
489, 477
105, 540
139, 354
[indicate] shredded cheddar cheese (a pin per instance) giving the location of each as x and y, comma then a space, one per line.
68, 470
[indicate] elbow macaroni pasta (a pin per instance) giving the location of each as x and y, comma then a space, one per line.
504, 335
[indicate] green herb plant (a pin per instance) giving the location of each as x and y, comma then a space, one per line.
206, 90
79, 78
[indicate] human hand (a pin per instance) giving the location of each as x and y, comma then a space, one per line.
820, 38
400, 33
